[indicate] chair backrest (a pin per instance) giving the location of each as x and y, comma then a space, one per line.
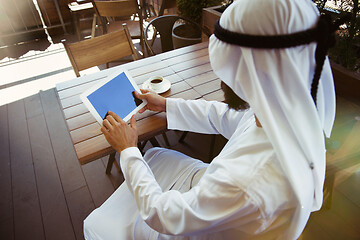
164, 25
166, 4
100, 50
117, 8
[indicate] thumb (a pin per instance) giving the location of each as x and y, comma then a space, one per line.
133, 122
138, 95
143, 95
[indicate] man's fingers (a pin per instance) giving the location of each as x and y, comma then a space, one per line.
107, 124
104, 130
133, 122
116, 117
111, 119
143, 91
143, 109
138, 95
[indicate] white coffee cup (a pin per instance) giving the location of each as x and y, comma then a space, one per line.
156, 83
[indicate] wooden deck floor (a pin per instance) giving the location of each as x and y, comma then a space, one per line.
46, 193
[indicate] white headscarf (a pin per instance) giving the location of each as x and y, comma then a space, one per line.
276, 84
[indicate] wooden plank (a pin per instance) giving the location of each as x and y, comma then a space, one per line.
131, 67
186, 57
201, 79
57, 222
184, 65
195, 71
83, 132
70, 101
164, 72
209, 18
6, 204
346, 82
79, 121
27, 213
74, 111
188, 95
184, 50
68, 166
208, 87
141, 62
83, 79
99, 183
343, 206
115, 177
215, 96
147, 68
96, 147
335, 225
80, 206
86, 132
33, 106
177, 88
69, 92
173, 78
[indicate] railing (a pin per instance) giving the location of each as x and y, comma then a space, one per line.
19, 17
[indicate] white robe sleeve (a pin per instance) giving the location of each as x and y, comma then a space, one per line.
201, 116
215, 204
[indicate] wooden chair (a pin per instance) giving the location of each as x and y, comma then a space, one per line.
166, 5
100, 50
81, 10
112, 14
164, 25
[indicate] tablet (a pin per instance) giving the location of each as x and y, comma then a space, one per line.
116, 94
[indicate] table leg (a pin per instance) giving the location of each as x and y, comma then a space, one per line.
110, 163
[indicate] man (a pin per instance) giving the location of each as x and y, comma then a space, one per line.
269, 177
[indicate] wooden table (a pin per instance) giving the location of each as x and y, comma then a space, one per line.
189, 71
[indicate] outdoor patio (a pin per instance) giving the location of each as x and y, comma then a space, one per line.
46, 193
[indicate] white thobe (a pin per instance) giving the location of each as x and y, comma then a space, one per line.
242, 194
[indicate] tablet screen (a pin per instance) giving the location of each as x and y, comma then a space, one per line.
115, 94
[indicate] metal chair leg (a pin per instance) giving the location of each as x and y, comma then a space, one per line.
166, 139
212, 146
154, 142
181, 140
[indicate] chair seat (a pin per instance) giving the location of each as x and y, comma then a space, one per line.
132, 25
74, 7
78, 13
149, 19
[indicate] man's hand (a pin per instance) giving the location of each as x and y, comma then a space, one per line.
118, 133
155, 102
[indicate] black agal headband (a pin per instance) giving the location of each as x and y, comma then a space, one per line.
323, 34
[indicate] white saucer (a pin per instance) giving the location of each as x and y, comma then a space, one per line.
165, 86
